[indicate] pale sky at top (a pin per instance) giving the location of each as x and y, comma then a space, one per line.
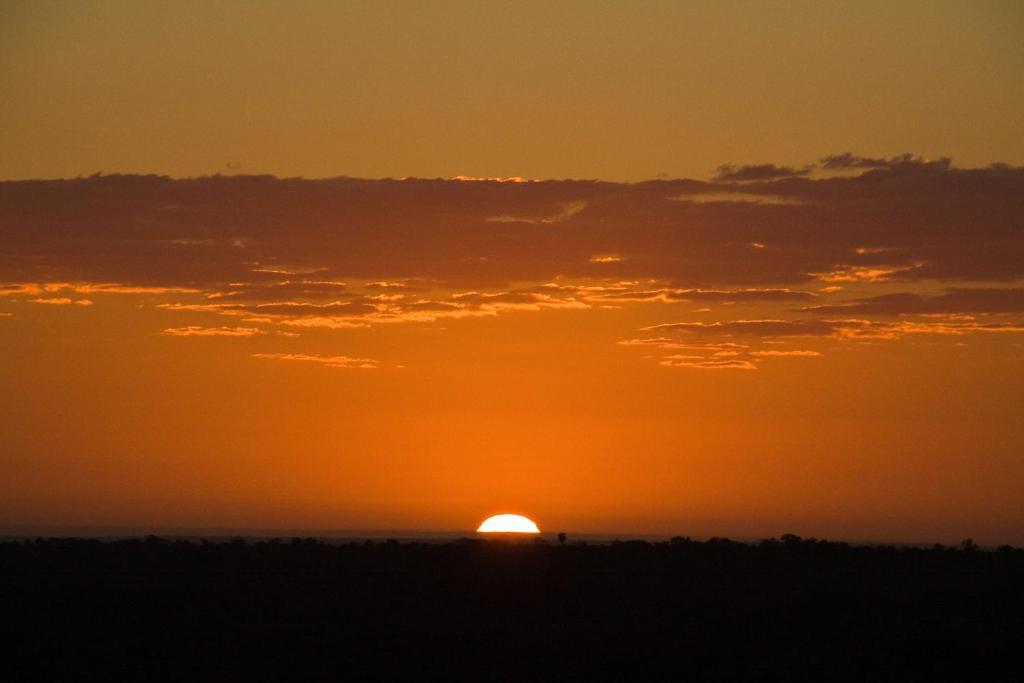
613, 90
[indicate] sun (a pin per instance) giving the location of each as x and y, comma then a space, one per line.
508, 524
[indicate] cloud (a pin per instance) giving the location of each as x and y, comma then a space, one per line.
725, 296
754, 328
250, 256
705, 363
733, 197
715, 355
282, 290
63, 301
566, 210
847, 328
196, 331
324, 322
268, 253
298, 308
395, 286
720, 355
954, 300
659, 342
328, 361
280, 309
631, 295
671, 343
282, 269
898, 162
380, 309
948, 327
113, 288
513, 300
20, 288
493, 179
729, 173
731, 355
739, 295
865, 274
128, 230
36, 288
784, 354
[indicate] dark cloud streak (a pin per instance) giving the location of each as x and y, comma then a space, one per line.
729, 173
847, 160
955, 300
918, 219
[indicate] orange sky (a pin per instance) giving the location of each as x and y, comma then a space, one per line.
800, 339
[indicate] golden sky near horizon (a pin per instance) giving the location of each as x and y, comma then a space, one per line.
819, 332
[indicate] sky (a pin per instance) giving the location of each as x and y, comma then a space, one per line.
733, 269
588, 89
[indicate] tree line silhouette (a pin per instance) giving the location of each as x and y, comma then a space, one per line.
160, 609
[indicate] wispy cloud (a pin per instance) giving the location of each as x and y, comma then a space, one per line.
717, 295
796, 353
566, 210
196, 331
515, 300
706, 363
37, 288
13, 289
739, 197
847, 328
328, 361
492, 179
63, 301
865, 273
286, 289
754, 328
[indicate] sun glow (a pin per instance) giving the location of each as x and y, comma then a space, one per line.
508, 524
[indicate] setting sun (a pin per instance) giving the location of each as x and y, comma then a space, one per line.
508, 524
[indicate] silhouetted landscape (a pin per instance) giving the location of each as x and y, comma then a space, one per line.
154, 608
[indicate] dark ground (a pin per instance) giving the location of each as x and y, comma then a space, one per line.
304, 610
